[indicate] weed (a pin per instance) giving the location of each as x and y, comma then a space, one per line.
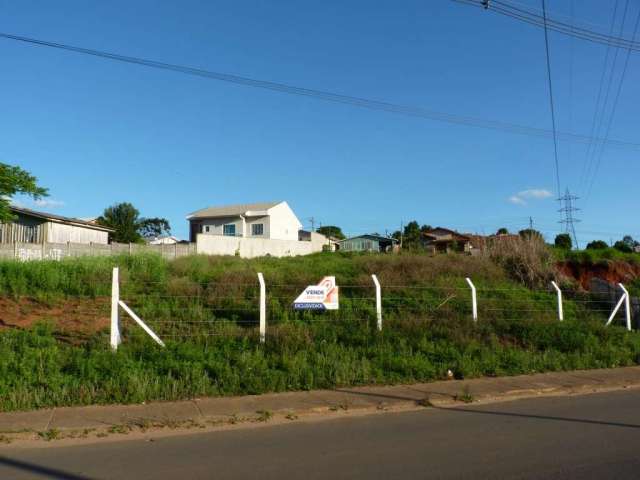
121, 429
49, 435
465, 396
291, 416
5, 439
263, 416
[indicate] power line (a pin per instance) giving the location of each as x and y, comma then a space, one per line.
586, 165
532, 18
326, 96
593, 152
553, 115
613, 110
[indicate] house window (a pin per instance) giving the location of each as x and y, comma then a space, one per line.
206, 228
229, 230
257, 229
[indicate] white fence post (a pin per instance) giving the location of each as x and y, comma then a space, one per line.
474, 300
263, 308
627, 305
560, 311
144, 326
378, 301
115, 300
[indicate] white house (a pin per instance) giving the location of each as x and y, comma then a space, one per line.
163, 240
249, 230
270, 220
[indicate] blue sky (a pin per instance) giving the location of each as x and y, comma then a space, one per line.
96, 132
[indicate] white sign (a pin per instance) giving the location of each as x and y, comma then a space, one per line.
323, 296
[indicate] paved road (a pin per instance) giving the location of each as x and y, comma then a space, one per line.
593, 436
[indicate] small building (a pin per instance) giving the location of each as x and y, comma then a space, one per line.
368, 243
30, 226
443, 240
321, 242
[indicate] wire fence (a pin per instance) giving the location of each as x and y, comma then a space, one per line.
178, 309
220, 308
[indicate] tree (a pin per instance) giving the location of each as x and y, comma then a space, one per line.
630, 242
14, 180
129, 227
563, 240
154, 227
530, 233
502, 231
331, 231
597, 245
626, 245
622, 246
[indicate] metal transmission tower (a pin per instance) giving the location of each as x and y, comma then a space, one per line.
568, 201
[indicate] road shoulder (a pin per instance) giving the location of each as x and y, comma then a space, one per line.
71, 425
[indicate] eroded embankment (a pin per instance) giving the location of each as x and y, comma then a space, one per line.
612, 271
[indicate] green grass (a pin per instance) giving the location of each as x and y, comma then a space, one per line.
595, 255
37, 371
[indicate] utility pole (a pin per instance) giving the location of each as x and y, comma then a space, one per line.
567, 201
530, 223
401, 233
313, 223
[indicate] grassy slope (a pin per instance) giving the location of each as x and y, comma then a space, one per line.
420, 341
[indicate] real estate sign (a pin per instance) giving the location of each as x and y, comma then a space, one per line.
323, 296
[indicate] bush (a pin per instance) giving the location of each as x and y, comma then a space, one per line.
597, 245
563, 241
526, 259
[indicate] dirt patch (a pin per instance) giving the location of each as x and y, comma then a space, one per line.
610, 271
69, 315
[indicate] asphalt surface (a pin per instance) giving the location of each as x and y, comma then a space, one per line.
591, 436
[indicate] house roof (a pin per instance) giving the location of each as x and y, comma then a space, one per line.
60, 219
371, 237
433, 234
232, 210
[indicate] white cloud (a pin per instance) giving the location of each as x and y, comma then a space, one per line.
537, 193
48, 203
522, 196
517, 200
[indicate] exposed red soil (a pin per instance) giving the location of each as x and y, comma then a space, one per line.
84, 316
612, 272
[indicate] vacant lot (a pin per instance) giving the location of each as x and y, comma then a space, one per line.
205, 308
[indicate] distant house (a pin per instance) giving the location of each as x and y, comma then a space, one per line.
271, 220
443, 240
164, 240
325, 243
368, 243
30, 226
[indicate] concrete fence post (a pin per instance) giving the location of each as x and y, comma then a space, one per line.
378, 301
474, 300
115, 301
559, 292
263, 308
68, 249
15, 250
627, 306
130, 248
